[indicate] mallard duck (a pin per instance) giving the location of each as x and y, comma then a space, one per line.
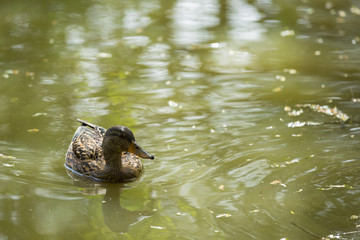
110, 155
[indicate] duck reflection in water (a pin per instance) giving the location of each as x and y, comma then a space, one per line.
116, 217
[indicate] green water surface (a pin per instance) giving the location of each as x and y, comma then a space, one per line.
208, 87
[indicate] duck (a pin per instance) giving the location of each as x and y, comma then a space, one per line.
105, 155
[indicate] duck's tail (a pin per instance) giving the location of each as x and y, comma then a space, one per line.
85, 123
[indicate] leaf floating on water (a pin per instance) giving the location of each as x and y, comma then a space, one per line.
14, 72
221, 187
292, 212
277, 89
29, 74
287, 109
276, 182
9, 164
34, 130
354, 217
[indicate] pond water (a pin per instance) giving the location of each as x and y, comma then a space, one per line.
208, 87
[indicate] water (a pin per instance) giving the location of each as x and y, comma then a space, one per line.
204, 86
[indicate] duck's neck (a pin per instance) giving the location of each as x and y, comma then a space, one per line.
113, 171
113, 162
112, 155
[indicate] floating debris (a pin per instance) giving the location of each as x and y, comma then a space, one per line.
326, 110
223, 215
295, 113
14, 72
355, 10
34, 130
290, 71
287, 108
277, 182
342, 13
173, 104
301, 124
287, 33
39, 114
29, 74
334, 186
354, 217
280, 78
277, 89
9, 164
157, 227
6, 157
104, 55
221, 187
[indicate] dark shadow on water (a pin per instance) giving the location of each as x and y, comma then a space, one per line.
116, 218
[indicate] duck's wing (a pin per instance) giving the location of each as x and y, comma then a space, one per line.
101, 130
86, 143
85, 123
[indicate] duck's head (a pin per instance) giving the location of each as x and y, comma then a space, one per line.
120, 139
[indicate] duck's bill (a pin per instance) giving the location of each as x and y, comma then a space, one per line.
137, 150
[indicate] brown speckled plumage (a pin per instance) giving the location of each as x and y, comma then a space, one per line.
85, 154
